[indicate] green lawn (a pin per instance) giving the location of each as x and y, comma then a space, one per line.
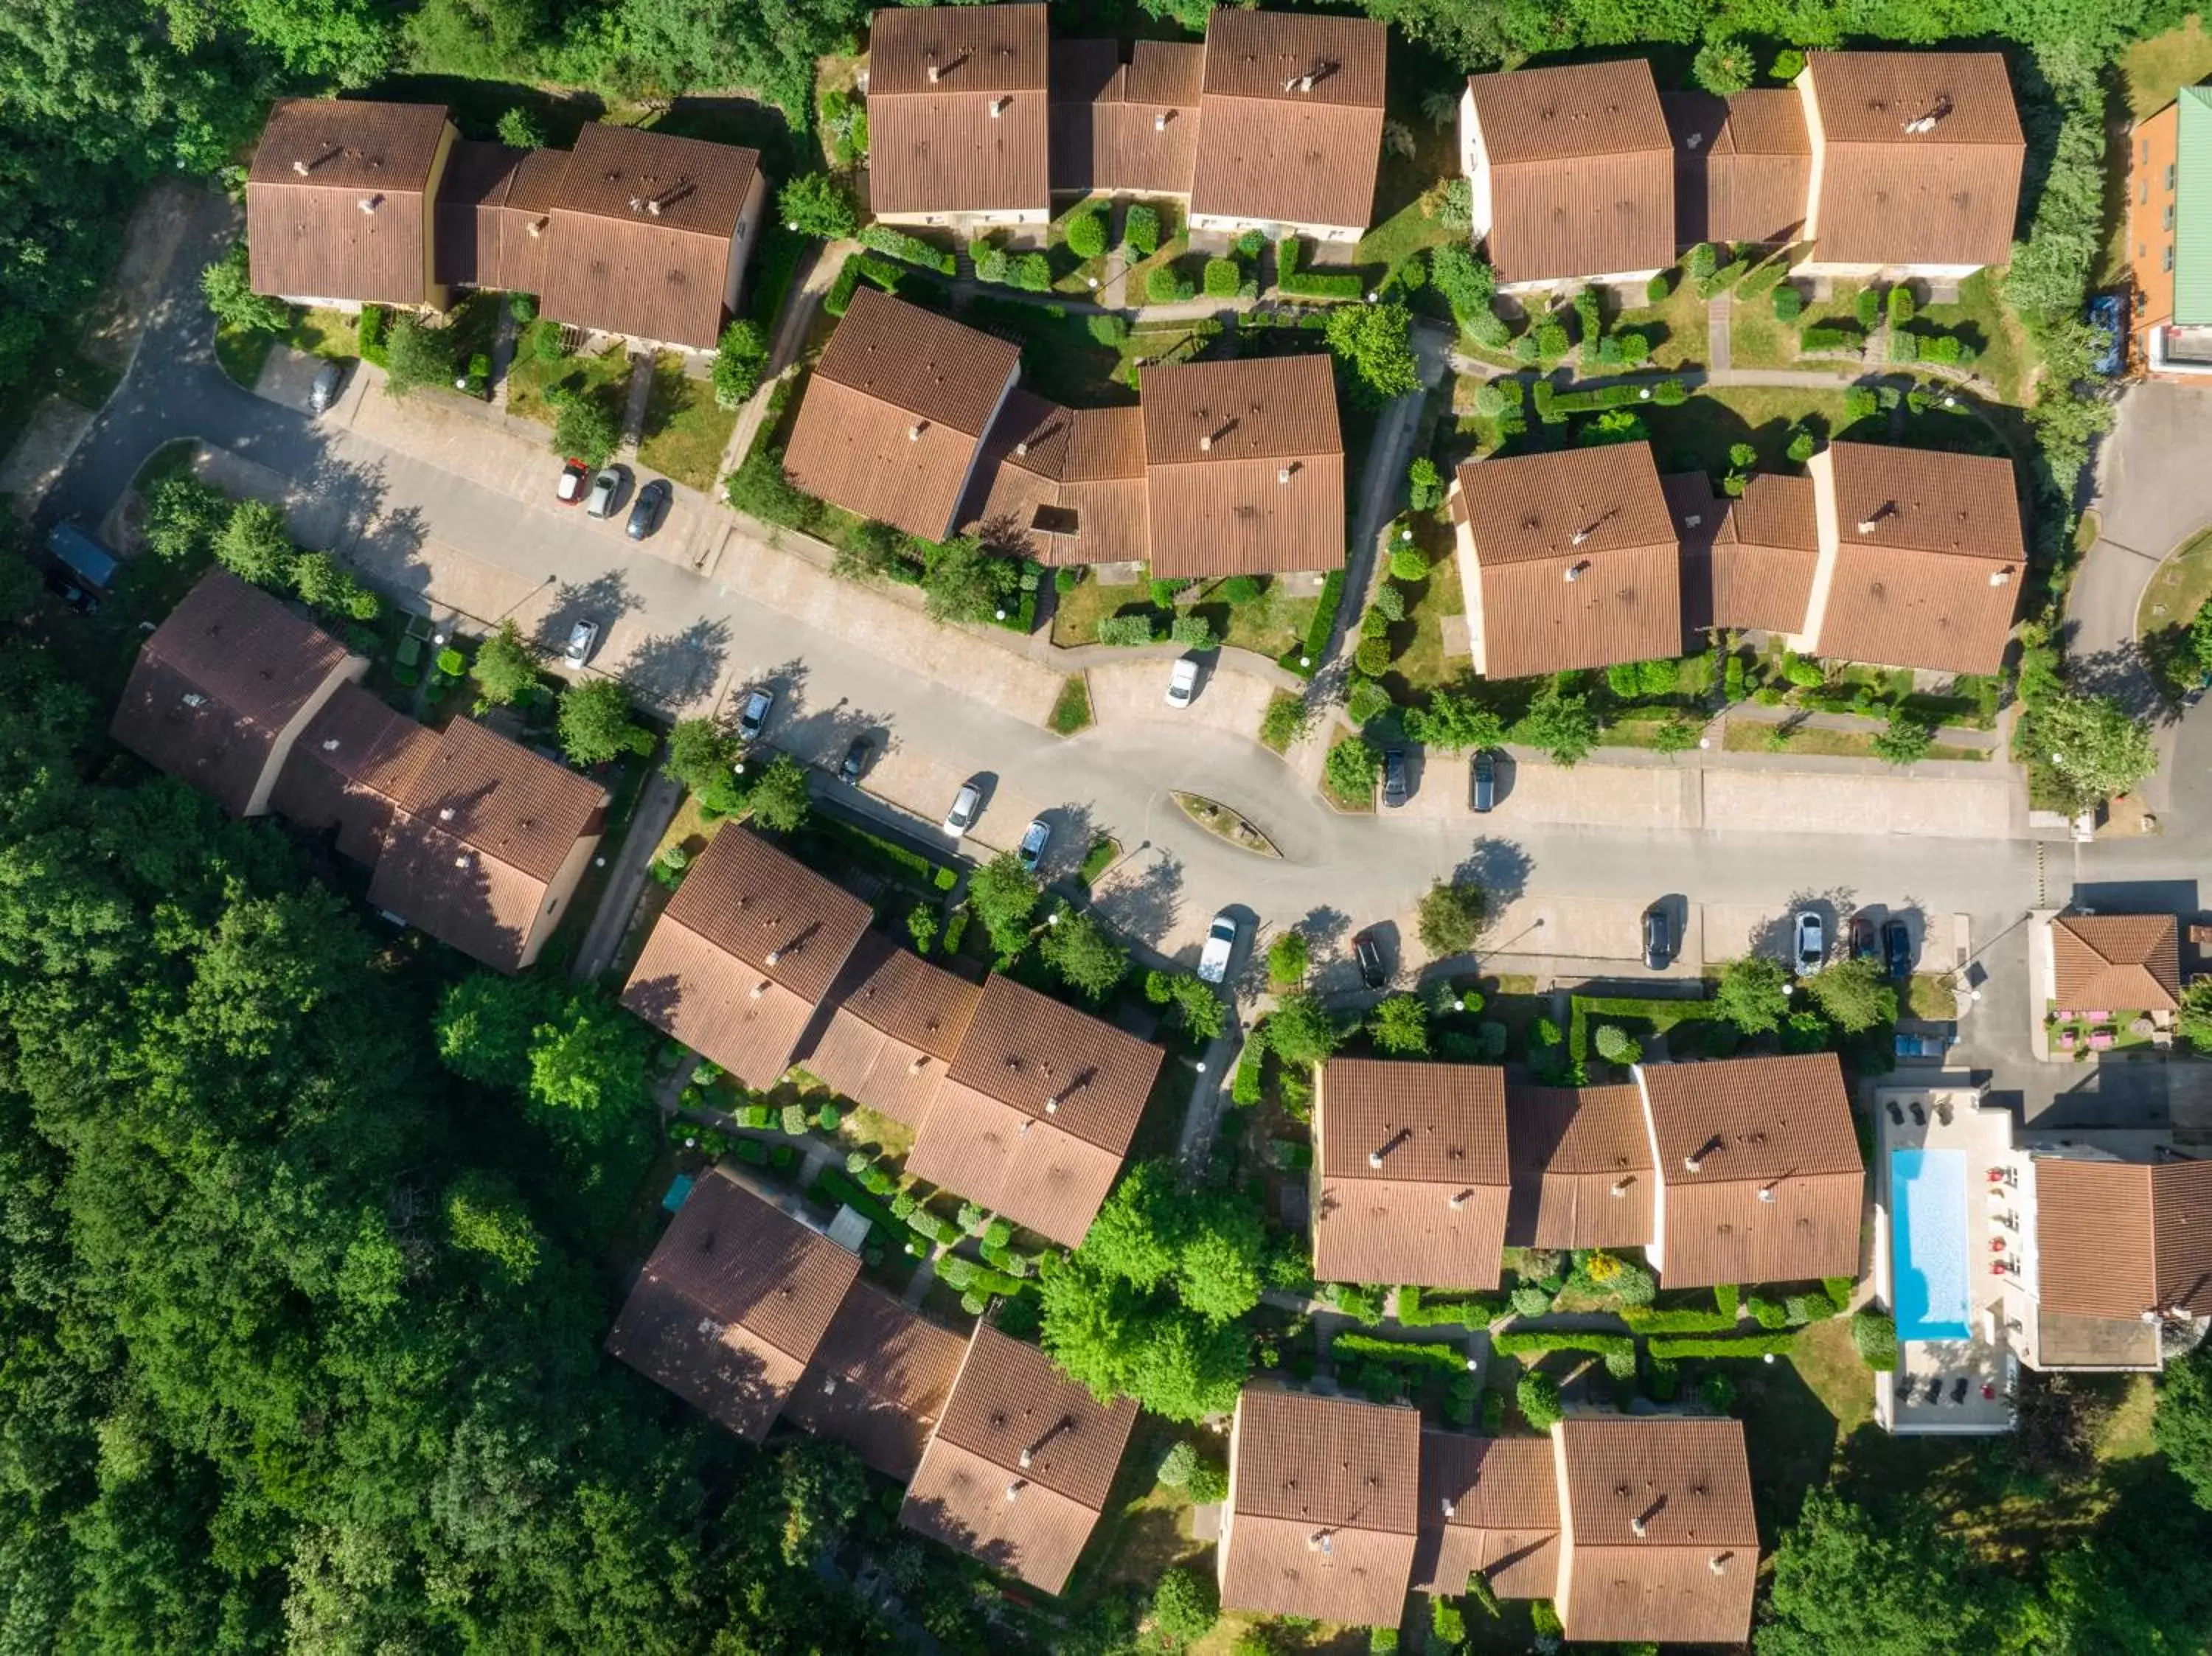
1676, 326
240, 353
685, 430
326, 333
2178, 589
2004, 355
1405, 232
604, 377
1755, 736
1697, 435
2152, 70
1269, 625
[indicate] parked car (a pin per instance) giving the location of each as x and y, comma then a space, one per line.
1897, 949
651, 505
1367, 952
575, 479
324, 390
1485, 778
1035, 838
753, 718
1182, 684
856, 761
582, 639
1394, 777
1812, 941
967, 804
606, 489
1220, 944
71, 595
1658, 937
1920, 1046
1862, 939
2108, 321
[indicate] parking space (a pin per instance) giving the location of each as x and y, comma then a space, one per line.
1615, 796
1951, 805
1123, 692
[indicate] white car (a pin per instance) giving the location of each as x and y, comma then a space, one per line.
1182, 684
604, 488
966, 805
1220, 944
581, 637
1812, 942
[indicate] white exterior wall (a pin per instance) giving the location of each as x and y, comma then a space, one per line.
1822, 469
970, 221
1654, 1251
1275, 229
1470, 583
1633, 280
1475, 162
741, 239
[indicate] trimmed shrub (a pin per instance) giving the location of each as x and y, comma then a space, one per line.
1868, 308
1427, 1308
1750, 1345
1373, 657
1086, 234
1537, 1342
1140, 230
1830, 338
1717, 1391
1900, 306
1615, 1046
1289, 279
1125, 630
1874, 1336
1242, 589
1165, 285
1656, 289
912, 250
1538, 1394
1409, 563
1789, 303
1222, 279
794, 1119
1442, 1359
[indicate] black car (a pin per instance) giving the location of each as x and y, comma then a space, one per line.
71, 595
1485, 778
1897, 949
1369, 954
1658, 938
1394, 777
645, 511
1862, 934
856, 759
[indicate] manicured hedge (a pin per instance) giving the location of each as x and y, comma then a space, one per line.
878, 272
1830, 339
1244, 1090
872, 848
912, 250
1662, 1014
1535, 1342
1751, 1345
1553, 405
773, 265
1319, 628
1361, 1302
1308, 284
1689, 1321
1444, 1359
1418, 1309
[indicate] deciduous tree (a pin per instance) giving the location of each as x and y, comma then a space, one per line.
1752, 994
595, 725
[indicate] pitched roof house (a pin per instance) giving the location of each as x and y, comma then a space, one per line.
897, 1028
2116, 1240
1021, 1464
349, 770
1742, 165
1916, 161
1660, 1542
1490, 1506
1290, 112
222, 689
1758, 1171
1569, 560
877, 1380
957, 114
744, 955
1243, 467
1125, 127
1322, 1515
1572, 172
2115, 961
1063, 486
1580, 1166
732, 1306
1410, 1174
487, 841
893, 423
494, 217
1921, 558
338, 201
1037, 1110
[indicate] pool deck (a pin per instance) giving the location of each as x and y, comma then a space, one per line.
1954, 1118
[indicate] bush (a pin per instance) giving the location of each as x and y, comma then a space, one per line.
1529, 1300
1749, 1346
1615, 1046
1291, 279
1789, 303
1086, 234
911, 250
1125, 630
1373, 657
1538, 1396
1193, 633
1717, 1391
1830, 339
1874, 1335
1177, 1464
1409, 563
1165, 285
1904, 347
816, 204
793, 1119
1242, 589
1140, 230
1222, 277
1656, 289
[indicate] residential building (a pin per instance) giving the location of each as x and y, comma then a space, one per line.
1321, 1518
893, 424
1490, 1506
1291, 119
1568, 558
1759, 1176
222, 689
745, 956
340, 202
2100, 964
1125, 129
1572, 174
1063, 486
1020, 1467
1747, 562
2120, 1259
2169, 240
1742, 166
1243, 467
878, 1381
956, 116
1581, 1163
351, 770
486, 844
1916, 163
1410, 1177
634, 233
1036, 1110
896, 1024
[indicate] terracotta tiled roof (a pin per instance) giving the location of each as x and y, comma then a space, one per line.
216, 684
1272, 149
878, 1381
1550, 603
1688, 1578
493, 216
705, 976
308, 233
1490, 1506
1065, 486
1929, 560
2181, 1234
349, 769
894, 413
1741, 165
2115, 1238
1944, 195
1582, 173
897, 1024
2116, 963
1780, 1125
1571, 1149
627, 269
991, 1135
938, 147
1323, 1493
1439, 1130
1016, 1426
733, 1305
1759, 571
1124, 128
1219, 438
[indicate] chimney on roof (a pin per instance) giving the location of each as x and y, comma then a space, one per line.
1160, 121
999, 107
1873, 519
1639, 1526
1065, 1423
2001, 577
1620, 1185
1693, 1161
300, 167
1459, 1200
829, 1384
445, 813
1283, 474
1449, 1509
536, 226
1575, 570
1319, 1542
1204, 441
637, 203
369, 203
1718, 1563
1693, 140
920, 1063
1022, 447
194, 699
654, 206
760, 988
1014, 1489
1767, 1191
330, 744
1051, 1105
773, 957
914, 431
461, 861
934, 72
1693, 520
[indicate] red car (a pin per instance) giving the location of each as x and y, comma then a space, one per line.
575, 480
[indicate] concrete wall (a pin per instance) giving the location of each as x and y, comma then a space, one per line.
557, 894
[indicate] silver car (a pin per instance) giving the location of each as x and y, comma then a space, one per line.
1812, 942
966, 805
324, 390
600, 503
582, 637
754, 720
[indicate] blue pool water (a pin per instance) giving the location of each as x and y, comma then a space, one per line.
1928, 1243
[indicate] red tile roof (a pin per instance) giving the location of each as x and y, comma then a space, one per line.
1490, 1506
973, 140
349, 769
1581, 1167
2114, 1239
1065, 486
1742, 165
895, 1030
1291, 116
2116, 963
878, 1381
334, 205
1124, 128
495, 215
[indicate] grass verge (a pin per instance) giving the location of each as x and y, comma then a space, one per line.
1071, 712
685, 428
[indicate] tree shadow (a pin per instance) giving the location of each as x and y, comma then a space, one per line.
822, 736
671, 670
1144, 904
1500, 868
605, 599
1776, 935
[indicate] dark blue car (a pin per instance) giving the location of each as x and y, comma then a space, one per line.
2108, 318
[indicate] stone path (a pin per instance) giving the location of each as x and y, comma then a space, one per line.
502, 356
1719, 309
641, 393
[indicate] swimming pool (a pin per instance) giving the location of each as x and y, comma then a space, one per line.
1928, 1243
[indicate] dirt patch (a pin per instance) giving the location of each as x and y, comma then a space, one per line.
149, 248
56, 428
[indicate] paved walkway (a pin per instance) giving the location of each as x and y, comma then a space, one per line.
1719, 310
656, 808
640, 394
